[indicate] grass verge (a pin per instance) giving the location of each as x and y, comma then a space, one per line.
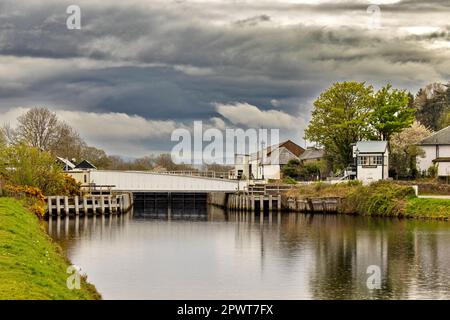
32, 266
428, 208
381, 198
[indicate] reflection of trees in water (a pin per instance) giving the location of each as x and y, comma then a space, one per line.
345, 250
335, 254
406, 251
413, 255
400, 259
432, 258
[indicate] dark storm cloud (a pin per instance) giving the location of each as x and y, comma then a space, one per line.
175, 60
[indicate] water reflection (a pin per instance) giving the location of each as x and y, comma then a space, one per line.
207, 253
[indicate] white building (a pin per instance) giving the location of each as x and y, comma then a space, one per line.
372, 160
266, 164
436, 152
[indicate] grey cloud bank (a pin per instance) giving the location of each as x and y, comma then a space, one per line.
164, 64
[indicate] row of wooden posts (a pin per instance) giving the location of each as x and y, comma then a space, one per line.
324, 204
248, 202
89, 204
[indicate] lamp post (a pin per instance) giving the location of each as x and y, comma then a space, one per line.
357, 156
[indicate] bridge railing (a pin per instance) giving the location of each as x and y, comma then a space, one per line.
207, 174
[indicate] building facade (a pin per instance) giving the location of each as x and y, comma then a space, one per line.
436, 153
371, 160
267, 163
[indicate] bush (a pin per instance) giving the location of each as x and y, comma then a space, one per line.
379, 198
289, 180
21, 165
32, 197
432, 171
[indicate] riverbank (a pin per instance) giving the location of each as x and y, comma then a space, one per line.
32, 266
387, 199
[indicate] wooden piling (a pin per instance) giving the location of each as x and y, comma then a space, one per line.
49, 205
58, 205
66, 205
85, 205
94, 206
102, 204
77, 206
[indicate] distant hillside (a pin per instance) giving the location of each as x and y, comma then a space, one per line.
433, 106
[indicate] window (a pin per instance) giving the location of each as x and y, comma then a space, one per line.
370, 160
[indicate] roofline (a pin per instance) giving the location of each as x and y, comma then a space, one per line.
432, 135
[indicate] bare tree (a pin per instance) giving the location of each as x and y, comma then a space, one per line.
68, 144
39, 127
8, 134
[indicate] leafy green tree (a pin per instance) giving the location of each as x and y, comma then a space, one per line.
340, 118
309, 171
292, 169
392, 112
28, 166
97, 157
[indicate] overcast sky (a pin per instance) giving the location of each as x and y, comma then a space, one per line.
139, 69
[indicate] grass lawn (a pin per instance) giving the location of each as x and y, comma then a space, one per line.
32, 266
428, 208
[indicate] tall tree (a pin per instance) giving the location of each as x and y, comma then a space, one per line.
433, 106
97, 157
68, 144
340, 118
39, 128
392, 112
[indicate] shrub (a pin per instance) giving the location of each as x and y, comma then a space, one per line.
21, 165
289, 180
432, 171
379, 198
33, 197
71, 187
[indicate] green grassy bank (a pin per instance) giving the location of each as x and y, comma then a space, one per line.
382, 198
428, 208
32, 266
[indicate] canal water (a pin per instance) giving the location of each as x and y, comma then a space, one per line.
205, 253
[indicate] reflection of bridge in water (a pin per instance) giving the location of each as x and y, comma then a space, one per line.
173, 205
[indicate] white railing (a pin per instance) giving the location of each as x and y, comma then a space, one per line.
207, 174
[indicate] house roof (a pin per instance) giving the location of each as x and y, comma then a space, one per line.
288, 144
66, 163
440, 137
312, 153
371, 146
85, 165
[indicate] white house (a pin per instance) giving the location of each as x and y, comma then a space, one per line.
267, 163
436, 152
372, 160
